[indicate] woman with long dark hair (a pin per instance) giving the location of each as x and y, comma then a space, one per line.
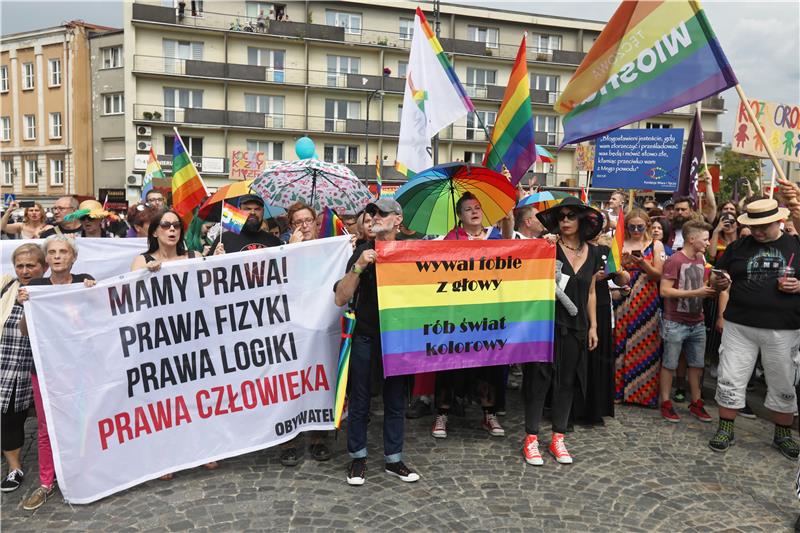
576, 224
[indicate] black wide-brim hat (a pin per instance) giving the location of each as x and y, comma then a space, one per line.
589, 230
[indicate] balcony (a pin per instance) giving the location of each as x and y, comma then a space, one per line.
567, 57
714, 104
712, 137
172, 66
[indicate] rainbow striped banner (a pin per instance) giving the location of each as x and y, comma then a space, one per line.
513, 134
460, 304
653, 56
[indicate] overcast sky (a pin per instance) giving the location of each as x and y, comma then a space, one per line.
760, 38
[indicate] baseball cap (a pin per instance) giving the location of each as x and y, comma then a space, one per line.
251, 198
384, 205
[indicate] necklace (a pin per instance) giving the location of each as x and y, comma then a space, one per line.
475, 236
576, 251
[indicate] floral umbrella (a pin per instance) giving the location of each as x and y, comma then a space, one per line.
315, 182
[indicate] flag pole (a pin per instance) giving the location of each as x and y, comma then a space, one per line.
761, 135
489, 138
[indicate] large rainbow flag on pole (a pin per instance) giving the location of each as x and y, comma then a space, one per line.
512, 142
653, 56
188, 188
153, 171
434, 98
459, 304
614, 259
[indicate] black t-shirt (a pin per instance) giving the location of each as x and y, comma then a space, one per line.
77, 232
366, 296
245, 241
754, 268
416, 236
577, 290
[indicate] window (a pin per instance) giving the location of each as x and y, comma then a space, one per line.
475, 158
351, 22
194, 145
30, 127
274, 60
8, 172
478, 79
273, 151
272, 106
402, 69
338, 111
55, 125
547, 83
339, 66
406, 29
657, 125
474, 129
176, 52
56, 172
489, 36
545, 44
27, 76
31, 172
341, 153
113, 104
4, 79
5, 128
176, 100
112, 56
547, 124
269, 10
54, 72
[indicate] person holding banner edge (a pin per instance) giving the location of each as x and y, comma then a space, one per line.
360, 285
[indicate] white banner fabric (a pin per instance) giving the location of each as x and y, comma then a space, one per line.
150, 373
101, 258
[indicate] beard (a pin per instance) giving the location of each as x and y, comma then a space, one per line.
252, 225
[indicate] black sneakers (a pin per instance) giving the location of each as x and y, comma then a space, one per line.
357, 472
12, 481
402, 471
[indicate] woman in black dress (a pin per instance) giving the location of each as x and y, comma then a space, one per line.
576, 224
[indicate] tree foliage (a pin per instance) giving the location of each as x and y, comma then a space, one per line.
735, 167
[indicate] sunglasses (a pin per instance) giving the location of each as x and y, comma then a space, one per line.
383, 214
569, 215
636, 227
166, 224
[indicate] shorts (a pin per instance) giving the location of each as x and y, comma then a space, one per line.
686, 338
738, 352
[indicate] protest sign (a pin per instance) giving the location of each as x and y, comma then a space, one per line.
584, 157
638, 159
781, 124
461, 304
246, 165
102, 258
150, 373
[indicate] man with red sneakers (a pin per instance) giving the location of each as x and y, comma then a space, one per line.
683, 290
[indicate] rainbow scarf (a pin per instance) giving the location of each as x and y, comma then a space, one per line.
653, 56
614, 259
331, 225
188, 189
513, 143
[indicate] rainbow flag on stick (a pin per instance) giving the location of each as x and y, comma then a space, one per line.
653, 56
378, 179
188, 189
232, 219
348, 325
512, 141
332, 225
459, 304
153, 171
614, 259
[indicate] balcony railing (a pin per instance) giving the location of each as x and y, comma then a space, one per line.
715, 103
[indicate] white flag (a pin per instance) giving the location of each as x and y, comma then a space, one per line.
434, 98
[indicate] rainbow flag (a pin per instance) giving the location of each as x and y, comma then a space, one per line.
512, 142
378, 179
153, 171
348, 325
459, 304
188, 189
653, 56
232, 218
331, 225
614, 259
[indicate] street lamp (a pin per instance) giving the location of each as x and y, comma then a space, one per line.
379, 94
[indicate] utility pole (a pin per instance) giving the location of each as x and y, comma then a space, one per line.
437, 29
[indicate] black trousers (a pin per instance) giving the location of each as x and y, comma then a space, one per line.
12, 426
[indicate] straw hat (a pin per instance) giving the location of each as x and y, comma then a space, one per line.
88, 208
763, 212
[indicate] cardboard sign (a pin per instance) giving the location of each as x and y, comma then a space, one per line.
781, 123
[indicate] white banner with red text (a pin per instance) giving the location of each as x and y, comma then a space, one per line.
150, 373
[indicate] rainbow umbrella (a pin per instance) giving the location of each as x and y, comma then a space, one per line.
348, 325
543, 156
543, 200
429, 199
212, 208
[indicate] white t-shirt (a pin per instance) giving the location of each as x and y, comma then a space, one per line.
677, 244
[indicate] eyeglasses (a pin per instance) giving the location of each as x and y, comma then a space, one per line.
304, 222
636, 227
59, 208
570, 215
166, 224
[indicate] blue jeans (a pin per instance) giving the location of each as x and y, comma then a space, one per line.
361, 352
689, 339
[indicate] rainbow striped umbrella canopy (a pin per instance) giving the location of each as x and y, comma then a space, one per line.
429, 199
543, 200
543, 156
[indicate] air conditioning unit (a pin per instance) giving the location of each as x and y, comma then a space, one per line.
144, 131
134, 180
143, 146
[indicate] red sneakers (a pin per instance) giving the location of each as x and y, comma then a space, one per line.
559, 450
530, 449
668, 412
696, 408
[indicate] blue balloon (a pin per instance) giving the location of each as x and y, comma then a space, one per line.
304, 148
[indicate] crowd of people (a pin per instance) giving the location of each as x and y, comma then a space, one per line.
701, 290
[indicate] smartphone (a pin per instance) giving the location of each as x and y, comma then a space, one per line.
718, 272
636, 253
26, 203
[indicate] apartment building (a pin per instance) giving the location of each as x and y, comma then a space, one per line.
45, 112
335, 71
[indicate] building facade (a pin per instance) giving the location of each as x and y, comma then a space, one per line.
234, 82
45, 112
